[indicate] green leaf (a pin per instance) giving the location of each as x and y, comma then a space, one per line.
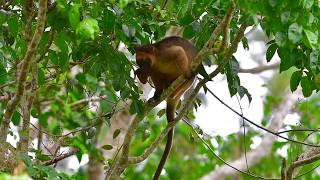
42, 157
41, 77
125, 92
123, 3
109, 20
307, 86
295, 33
16, 118
87, 29
188, 32
312, 38
280, 39
307, 4
161, 112
74, 15
286, 59
81, 78
62, 45
13, 24
314, 56
3, 74
107, 147
245, 43
136, 107
285, 17
243, 91
295, 80
187, 19
116, 133
273, 3
43, 120
271, 51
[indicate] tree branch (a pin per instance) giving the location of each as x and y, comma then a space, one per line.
259, 69
26, 104
31, 51
62, 157
310, 156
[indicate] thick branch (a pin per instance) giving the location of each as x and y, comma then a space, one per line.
259, 69
310, 156
254, 156
12, 104
26, 104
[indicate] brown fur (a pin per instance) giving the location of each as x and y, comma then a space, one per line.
164, 62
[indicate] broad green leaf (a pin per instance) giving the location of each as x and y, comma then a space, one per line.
109, 20
125, 92
187, 19
16, 118
62, 44
81, 78
295, 80
295, 33
136, 107
88, 29
188, 31
41, 77
123, 3
74, 15
286, 59
312, 38
271, 51
307, 86
307, 4
13, 24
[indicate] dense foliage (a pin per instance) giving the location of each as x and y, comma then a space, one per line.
84, 67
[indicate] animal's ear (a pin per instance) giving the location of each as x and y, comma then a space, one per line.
142, 75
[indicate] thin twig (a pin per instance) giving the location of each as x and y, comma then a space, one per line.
299, 130
61, 157
259, 126
228, 164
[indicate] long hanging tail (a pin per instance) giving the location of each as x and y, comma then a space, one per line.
170, 111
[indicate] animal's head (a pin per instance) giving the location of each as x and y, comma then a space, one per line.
145, 56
